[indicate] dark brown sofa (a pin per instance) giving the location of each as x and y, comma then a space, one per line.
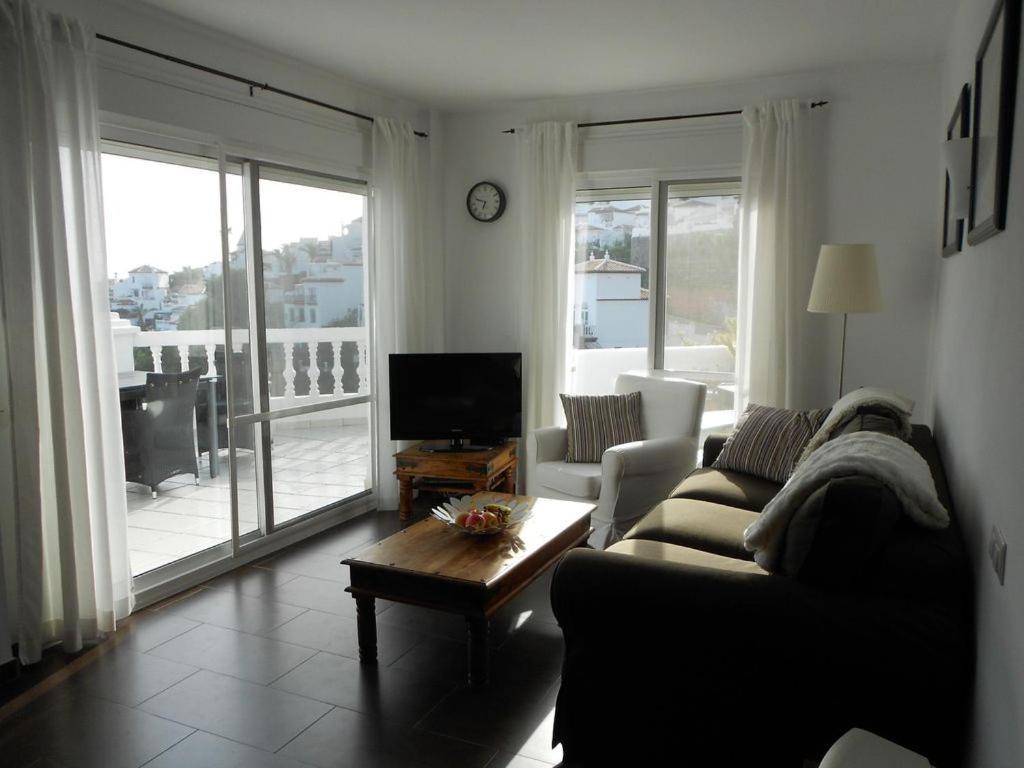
680, 650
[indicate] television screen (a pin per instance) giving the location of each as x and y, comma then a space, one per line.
471, 397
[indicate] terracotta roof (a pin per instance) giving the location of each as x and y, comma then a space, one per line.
607, 266
147, 270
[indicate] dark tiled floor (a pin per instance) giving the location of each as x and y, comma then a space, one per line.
259, 668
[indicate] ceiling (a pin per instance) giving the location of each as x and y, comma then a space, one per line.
459, 53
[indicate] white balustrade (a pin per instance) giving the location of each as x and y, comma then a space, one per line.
287, 338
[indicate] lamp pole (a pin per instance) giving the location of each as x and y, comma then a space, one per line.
842, 357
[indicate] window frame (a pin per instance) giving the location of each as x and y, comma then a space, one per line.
717, 180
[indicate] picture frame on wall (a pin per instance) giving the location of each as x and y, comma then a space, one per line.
995, 91
953, 201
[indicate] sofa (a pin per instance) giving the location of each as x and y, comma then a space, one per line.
681, 650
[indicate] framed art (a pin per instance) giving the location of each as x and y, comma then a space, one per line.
995, 90
952, 220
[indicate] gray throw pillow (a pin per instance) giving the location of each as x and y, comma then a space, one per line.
768, 441
595, 423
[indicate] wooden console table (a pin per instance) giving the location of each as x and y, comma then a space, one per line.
454, 473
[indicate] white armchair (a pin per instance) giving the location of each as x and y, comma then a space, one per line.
631, 477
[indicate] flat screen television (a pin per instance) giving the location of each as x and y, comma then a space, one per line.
469, 400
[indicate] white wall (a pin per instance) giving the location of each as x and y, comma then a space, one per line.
156, 94
876, 167
979, 420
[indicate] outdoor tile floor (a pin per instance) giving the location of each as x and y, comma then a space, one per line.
313, 466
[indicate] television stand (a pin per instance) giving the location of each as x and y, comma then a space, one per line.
455, 445
454, 472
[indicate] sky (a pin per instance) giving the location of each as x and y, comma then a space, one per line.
168, 216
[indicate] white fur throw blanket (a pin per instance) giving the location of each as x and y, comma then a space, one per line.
848, 405
870, 454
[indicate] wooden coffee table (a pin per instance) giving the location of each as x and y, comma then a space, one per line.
431, 565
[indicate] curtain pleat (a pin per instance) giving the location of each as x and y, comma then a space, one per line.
547, 165
773, 259
72, 574
408, 274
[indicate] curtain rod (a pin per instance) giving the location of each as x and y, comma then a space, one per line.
253, 84
629, 121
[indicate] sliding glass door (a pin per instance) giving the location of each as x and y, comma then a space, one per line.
253, 277
307, 299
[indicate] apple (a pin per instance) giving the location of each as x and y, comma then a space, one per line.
491, 520
474, 521
461, 519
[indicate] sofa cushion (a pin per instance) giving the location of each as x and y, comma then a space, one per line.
673, 553
582, 480
768, 441
594, 423
698, 524
733, 489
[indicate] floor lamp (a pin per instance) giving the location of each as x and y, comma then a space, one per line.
846, 280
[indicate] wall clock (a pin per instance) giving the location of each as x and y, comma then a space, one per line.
485, 201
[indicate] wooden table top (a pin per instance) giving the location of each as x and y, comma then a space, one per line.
431, 549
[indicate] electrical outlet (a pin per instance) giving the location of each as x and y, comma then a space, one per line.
997, 553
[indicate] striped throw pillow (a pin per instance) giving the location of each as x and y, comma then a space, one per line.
597, 422
768, 441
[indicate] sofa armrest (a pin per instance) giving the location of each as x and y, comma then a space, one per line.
548, 444
713, 445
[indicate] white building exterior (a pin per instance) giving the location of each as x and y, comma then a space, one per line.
610, 306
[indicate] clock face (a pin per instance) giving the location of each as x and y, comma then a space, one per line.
485, 201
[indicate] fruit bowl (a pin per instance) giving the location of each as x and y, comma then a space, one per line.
481, 517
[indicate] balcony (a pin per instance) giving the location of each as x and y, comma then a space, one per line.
317, 458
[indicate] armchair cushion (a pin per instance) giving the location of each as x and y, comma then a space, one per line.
672, 553
581, 480
734, 489
595, 423
701, 525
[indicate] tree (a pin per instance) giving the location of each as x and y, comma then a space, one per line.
184, 276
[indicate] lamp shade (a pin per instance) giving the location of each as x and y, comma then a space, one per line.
846, 280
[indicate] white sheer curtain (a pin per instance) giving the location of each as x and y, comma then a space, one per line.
774, 252
408, 273
73, 578
547, 164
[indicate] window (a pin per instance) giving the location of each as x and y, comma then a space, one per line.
701, 247
611, 297
694, 301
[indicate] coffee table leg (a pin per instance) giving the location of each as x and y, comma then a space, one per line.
479, 653
366, 629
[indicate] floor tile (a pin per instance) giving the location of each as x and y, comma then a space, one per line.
204, 750
398, 696
320, 594
337, 634
250, 657
503, 760
148, 629
226, 609
519, 720
345, 739
250, 581
127, 677
87, 732
306, 564
252, 714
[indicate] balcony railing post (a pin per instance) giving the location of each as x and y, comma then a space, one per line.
336, 370
183, 357
158, 362
314, 368
289, 370
364, 367
211, 354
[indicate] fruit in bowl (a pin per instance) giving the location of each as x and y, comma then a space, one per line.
475, 517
